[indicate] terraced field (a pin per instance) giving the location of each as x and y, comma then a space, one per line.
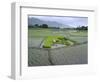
60, 56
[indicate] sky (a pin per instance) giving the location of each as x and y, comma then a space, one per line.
66, 20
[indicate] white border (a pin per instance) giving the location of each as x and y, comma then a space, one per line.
19, 43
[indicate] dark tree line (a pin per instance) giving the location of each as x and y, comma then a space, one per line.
38, 26
46, 26
82, 28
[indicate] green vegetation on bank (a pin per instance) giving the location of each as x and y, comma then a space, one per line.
50, 40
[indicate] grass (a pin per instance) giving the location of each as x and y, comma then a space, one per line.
34, 32
40, 32
49, 35
50, 40
79, 33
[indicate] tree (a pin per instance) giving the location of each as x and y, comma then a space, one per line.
36, 25
44, 26
30, 26
82, 28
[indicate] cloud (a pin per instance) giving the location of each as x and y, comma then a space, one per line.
67, 20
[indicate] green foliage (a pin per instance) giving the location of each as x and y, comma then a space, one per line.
82, 28
44, 26
36, 25
50, 40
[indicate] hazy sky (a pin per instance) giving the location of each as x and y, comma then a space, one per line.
72, 21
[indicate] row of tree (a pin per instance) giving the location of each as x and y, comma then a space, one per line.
46, 26
82, 28
39, 26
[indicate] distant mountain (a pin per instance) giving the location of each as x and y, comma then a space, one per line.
33, 21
